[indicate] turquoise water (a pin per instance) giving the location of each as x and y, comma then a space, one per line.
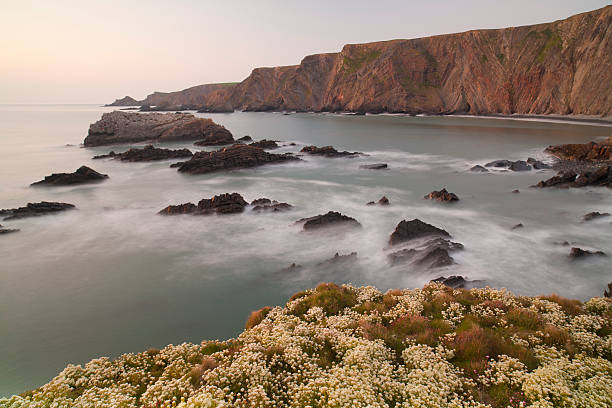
113, 277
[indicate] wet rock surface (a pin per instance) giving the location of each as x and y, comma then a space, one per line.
608, 293
265, 205
4, 230
339, 259
442, 196
409, 230
382, 201
245, 139
479, 169
458, 282
593, 215
517, 226
35, 210
375, 166
329, 220
591, 151
328, 151
579, 253
598, 177
228, 203
236, 156
265, 144
82, 175
147, 153
130, 127
519, 165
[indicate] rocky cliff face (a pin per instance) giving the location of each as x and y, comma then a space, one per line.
563, 67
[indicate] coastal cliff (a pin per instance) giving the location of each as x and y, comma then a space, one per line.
563, 67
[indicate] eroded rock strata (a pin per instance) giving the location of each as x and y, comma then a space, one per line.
327, 151
147, 153
35, 210
130, 127
265, 144
598, 176
228, 203
83, 175
232, 157
265, 205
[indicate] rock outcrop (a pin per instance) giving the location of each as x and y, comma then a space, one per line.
324, 221
583, 152
83, 175
457, 282
327, 151
265, 205
35, 210
220, 204
550, 68
593, 215
442, 196
608, 293
409, 230
7, 230
125, 101
131, 127
479, 169
147, 153
232, 157
599, 176
375, 166
382, 201
338, 259
265, 144
577, 253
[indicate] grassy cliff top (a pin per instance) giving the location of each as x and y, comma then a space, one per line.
341, 346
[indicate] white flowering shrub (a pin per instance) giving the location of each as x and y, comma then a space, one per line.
340, 346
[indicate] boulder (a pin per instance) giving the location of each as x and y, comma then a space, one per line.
82, 175
479, 168
382, 201
457, 282
409, 230
265, 144
520, 165
327, 151
245, 139
375, 166
265, 204
232, 157
595, 214
517, 226
442, 196
147, 153
220, 204
499, 163
331, 219
576, 253
130, 127
35, 210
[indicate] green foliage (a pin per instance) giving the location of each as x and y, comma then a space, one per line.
354, 62
501, 57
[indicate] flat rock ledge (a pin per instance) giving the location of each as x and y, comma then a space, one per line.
147, 153
35, 210
428, 246
228, 203
328, 151
236, 156
266, 144
331, 219
130, 127
442, 196
83, 175
375, 166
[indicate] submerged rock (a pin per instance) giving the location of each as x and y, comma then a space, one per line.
576, 253
457, 282
129, 127
265, 144
82, 175
375, 166
35, 210
327, 151
147, 153
6, 230
442, 195
220, 204
595, 214
382, 201
479, 168
232, 157
331, 219
339, 259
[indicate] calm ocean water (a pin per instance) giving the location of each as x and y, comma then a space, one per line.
113, 277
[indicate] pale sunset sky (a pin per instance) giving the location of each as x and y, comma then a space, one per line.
84, 51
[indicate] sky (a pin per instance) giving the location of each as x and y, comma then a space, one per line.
89, 51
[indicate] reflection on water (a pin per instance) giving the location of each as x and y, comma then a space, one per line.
113, 277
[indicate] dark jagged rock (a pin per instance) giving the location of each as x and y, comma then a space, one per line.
442, 195
331, 219
600, 176
221, 204
232, 157
131, 127
479, 168
147, 153
245, 139
339, 259
517, 226
382, 201
7, 230
595, 214
265, 144
516, 191
457, 282
265, 204
520, 165
591, 151
35, 210
538, 165
327, 151
608, 293
83, 175
409, 230
576, 253
292, 268
375, 166
499, 163
213, 142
